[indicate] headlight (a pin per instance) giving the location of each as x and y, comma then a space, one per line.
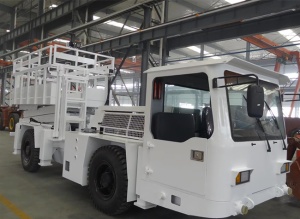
285, 168
243, 177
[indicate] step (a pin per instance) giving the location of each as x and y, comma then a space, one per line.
75, 101
79, 81
74, 119
74, 107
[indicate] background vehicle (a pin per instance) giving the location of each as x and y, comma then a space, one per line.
9, 117
293, 131
203, 145
292, 126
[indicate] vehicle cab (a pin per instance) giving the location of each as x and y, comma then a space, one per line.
203, 154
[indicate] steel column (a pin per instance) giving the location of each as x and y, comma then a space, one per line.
113, 80
73, 24
163, 41
145, 57
13, 19
41, 7
201, 51
277, 66
297, 56
3, 85
248, 51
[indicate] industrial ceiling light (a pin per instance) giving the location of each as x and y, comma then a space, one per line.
195, 48
53, 6
234, 1
198, 50
116, 24
62, 40
290, 35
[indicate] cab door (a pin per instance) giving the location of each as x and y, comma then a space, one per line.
175, 150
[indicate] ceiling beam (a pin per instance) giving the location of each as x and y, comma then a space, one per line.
86, 25
237, 30
50, 16
264, 43
215, 20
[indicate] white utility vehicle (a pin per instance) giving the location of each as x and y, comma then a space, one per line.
210, 141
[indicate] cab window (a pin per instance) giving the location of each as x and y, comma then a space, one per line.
180, 107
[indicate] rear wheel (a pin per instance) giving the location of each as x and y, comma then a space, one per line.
13, 120
2, 127
107, 180
29, 154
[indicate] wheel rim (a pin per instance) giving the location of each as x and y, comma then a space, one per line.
26, 152
11, 123
105, 181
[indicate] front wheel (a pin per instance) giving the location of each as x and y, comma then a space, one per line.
29, 154
107, 180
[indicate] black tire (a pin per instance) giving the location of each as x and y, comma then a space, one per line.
29, 154
2, 127
12, 121
107, 180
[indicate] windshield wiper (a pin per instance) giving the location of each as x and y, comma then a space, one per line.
277, 125
262, 128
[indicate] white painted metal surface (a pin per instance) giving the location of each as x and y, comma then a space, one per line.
205, 188
239, 63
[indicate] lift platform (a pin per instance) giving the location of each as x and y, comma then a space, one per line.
57, 80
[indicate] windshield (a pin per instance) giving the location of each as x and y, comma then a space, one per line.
245, 128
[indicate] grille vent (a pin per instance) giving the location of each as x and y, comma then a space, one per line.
124, 124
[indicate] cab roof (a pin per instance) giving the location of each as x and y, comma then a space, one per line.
229, 61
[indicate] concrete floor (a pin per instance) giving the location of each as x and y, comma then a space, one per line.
47, 195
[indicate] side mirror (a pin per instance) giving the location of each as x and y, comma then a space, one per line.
255, 101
